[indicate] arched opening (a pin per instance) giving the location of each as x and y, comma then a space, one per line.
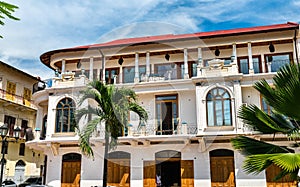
218, 107
118, 172
19, 171
65, 118
222, 168
168, 167
71, 167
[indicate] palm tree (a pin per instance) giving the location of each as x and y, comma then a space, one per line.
112, 106
283, 98
6, 10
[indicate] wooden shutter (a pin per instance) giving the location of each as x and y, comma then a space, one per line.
187, 173
71, 174
10, 90
271, 172
149, 174
118, 172
222, 171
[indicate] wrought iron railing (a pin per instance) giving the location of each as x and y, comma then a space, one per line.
15, 98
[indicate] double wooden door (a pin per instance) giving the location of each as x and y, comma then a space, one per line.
118, 172
271, 172
222, 171
186, 173
71, 174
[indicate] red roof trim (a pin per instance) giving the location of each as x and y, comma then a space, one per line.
168, 37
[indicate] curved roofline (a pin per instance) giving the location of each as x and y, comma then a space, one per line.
45, 57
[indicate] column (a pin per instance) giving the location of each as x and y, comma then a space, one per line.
136, 168
185, 60
236, 103
234, 59
136, 69
200, 62
251, 70
263, 63
298, 49
103, 69
148, 64
39, 120
63, 66
121, 74
91, 77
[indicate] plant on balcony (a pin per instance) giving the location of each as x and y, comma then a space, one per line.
283, 98
112, 106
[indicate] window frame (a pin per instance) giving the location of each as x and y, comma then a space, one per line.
70, 111
223, 108
277, 54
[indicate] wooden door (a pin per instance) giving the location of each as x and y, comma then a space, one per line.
271, 172
70, 174
187, 173
118, 172
149, 174
222, 171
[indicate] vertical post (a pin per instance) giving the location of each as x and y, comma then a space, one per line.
91, 77
63, 66
185, 59
136, 69
103, 69
251, 70
148, 63
2, 159
200, 62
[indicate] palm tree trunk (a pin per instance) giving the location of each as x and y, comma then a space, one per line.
104, 184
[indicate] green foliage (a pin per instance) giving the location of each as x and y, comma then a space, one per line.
6, 10
283, 97
108, 105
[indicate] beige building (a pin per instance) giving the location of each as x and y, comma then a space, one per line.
18, 110
192, 86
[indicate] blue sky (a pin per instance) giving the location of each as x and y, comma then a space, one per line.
54, 24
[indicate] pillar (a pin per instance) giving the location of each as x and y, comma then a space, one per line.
185, 60
148, 64
91, 77
63, 66
200, 62
136, 69
251, 70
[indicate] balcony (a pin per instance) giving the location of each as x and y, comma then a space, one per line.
16, 99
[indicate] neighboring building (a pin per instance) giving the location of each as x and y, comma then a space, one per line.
18, 110
192, 86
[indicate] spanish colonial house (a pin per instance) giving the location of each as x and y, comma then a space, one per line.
191, 85
17, 112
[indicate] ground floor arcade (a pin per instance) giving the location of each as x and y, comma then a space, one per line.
184, 165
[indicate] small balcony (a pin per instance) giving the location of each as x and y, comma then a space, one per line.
16, 99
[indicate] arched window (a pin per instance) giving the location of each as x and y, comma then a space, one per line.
65, 121
218, 106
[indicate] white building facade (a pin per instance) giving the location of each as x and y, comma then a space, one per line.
191, 85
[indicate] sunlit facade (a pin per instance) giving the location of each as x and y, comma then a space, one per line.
191, 85
18, 111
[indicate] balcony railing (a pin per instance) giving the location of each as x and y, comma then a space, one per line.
16, 99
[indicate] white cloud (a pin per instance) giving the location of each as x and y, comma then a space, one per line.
50, 25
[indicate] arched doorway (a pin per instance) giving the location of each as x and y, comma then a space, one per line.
222, 168
71, 167
19, 171
118, 169
171, 170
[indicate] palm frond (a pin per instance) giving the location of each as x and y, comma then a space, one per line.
261, 121
250, 146
85, 134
